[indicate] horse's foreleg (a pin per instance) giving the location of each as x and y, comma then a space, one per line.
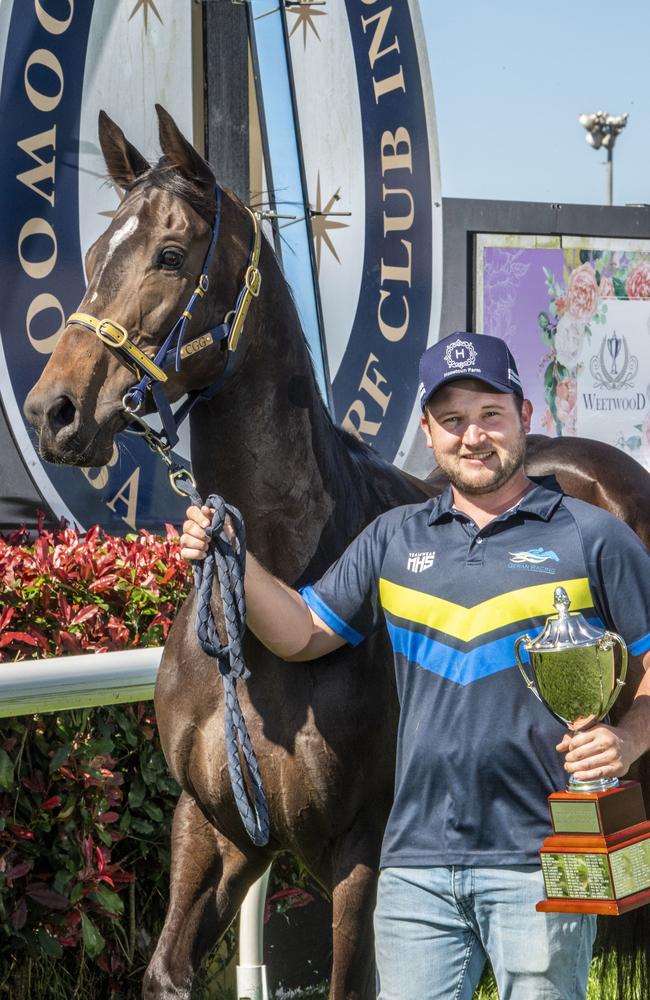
208, 880
353, 902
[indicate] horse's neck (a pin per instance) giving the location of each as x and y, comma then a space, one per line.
266, 442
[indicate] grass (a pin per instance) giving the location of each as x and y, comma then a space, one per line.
486, 991
47, 980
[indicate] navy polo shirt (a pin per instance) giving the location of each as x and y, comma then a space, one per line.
476, 754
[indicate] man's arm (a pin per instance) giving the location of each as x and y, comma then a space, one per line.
609, 751
275, 613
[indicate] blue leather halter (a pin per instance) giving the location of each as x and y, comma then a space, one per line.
172, 351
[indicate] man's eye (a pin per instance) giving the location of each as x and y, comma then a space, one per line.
170, 259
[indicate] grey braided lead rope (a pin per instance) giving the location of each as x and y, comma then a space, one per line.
228, 562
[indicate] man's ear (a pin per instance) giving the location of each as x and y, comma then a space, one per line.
424, 424
526, 415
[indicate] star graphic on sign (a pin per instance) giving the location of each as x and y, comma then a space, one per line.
145, 4
320, 223
120, 194
305, 14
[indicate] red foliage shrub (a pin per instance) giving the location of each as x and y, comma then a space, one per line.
85, 797
71, 593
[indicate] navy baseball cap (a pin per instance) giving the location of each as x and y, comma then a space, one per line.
468, 355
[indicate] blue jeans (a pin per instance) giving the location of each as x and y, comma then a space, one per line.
435, 928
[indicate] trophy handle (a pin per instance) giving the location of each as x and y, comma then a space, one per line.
613, 638
529, 683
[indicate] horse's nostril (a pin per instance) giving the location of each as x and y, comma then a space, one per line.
61, 414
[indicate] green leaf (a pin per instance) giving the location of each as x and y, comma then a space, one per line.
60, 756
142, 825
125, 822
109, 900
104, 836
92, 939
153, 811
549, 375
167, 784
49, 944
62, 881
6, 771
100, 747
562, 371
137, 793
619, 288
77, 892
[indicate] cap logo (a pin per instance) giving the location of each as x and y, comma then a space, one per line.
460, 354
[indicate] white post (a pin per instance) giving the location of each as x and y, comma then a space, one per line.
251, 971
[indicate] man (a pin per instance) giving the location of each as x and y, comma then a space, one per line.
457, 579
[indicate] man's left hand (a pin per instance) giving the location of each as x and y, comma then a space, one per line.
600, 752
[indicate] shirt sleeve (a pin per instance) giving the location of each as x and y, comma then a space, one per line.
618, 565
347, 596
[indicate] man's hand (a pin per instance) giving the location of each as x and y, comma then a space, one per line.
194, 541
600, 752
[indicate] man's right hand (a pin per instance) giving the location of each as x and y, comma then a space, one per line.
275, 613
194, 541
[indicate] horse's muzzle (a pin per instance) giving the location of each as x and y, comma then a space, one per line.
55, 417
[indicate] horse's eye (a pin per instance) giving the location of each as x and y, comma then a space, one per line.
170, 259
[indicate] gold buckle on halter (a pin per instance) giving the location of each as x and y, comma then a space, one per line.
111, 333
253, 280
115, 336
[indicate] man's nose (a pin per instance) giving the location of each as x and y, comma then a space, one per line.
474, 434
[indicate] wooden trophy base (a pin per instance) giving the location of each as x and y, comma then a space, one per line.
598, 859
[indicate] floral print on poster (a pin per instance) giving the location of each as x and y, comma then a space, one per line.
578, 323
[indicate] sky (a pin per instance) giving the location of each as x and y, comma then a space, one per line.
509, 81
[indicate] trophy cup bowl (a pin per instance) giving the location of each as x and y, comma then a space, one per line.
574, 672
598, 858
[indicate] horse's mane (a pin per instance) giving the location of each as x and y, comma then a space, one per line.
166, 176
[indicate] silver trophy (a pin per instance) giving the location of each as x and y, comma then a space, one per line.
574, 673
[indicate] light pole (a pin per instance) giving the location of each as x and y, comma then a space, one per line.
603, 130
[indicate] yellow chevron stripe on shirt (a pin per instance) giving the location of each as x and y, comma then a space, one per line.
467, 624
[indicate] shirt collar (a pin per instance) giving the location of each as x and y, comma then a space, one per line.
541, 501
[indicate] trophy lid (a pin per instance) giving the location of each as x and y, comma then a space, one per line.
565, 630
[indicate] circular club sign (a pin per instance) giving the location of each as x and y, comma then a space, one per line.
61, 62
370, 155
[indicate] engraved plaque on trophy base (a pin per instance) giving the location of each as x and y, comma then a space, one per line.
598, 859
597, 812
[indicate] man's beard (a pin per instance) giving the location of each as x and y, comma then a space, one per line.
512, 463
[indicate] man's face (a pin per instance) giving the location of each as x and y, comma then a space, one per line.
477, 435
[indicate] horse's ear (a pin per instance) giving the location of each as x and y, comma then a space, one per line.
123, 160
180, 153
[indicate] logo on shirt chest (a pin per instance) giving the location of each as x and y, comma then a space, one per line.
417, 562
532, 559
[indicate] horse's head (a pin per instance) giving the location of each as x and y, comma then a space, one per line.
142, 273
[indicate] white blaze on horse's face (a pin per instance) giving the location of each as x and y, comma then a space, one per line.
116, 239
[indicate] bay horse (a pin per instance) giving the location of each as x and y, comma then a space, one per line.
324, 732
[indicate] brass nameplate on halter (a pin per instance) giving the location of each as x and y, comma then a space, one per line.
199, 344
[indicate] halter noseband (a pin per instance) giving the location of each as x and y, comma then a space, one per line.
152, 373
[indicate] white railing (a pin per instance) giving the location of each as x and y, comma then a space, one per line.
94, 679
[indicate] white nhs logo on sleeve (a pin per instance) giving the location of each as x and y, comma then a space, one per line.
419, 561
